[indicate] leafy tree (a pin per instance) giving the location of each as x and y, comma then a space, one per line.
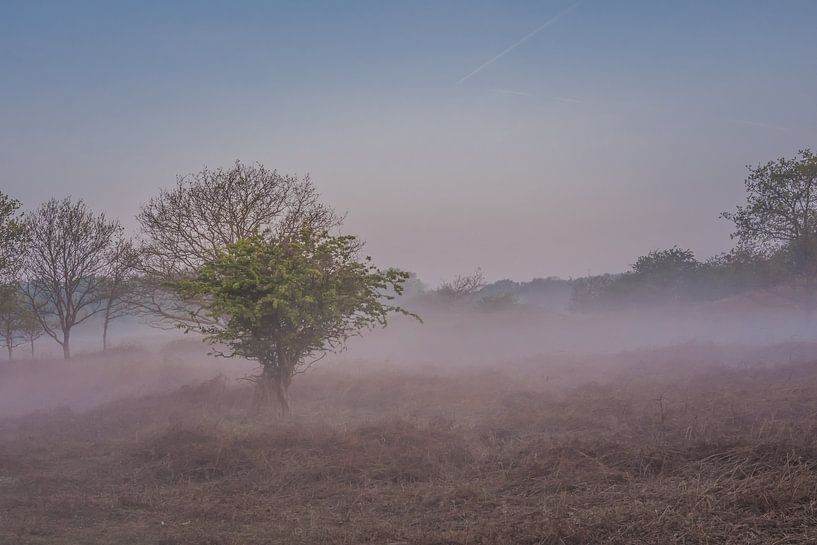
666, 262
592, 291
12, 237
286, 303
189, 224
661, 276
10, 316
69, 256
781, 208
742, 269
664, 275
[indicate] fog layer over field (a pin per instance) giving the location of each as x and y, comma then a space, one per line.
497, 337
146, 360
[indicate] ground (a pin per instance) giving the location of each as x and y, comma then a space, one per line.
639, 449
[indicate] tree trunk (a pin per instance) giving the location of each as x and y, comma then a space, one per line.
270, 384
66, 345
282, 393
32, 348
107, 320
261, 396
8, 339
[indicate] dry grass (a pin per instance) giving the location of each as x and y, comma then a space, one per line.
643, 455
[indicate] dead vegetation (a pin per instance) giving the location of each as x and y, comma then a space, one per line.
646, 453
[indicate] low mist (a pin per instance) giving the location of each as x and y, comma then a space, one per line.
736, 332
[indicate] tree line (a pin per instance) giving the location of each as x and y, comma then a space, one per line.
775, 231
243, 256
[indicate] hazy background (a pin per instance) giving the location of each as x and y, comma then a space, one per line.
618, 128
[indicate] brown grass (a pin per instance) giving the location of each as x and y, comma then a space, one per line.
642, 454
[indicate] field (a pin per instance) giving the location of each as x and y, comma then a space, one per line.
656, 447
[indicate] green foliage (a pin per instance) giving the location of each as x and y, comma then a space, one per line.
185, 226
284, 302
12, 237
669, 262
661, 276
592, 292
675, 276
741, 270
781, 208
12, 317
667, 274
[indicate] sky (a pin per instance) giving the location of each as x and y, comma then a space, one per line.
528, 138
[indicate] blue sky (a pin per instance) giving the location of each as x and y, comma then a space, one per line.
620, 127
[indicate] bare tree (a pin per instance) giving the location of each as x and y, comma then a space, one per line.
462, 288
68, 259
185, 227
116, 288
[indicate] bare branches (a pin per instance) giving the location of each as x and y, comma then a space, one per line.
206, 211
123, 261
184, 227
68, 259
462, 288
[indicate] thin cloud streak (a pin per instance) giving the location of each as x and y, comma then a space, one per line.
524, 39
759, 125
568, 100
511, 92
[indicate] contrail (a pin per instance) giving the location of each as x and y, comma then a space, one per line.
524, 39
